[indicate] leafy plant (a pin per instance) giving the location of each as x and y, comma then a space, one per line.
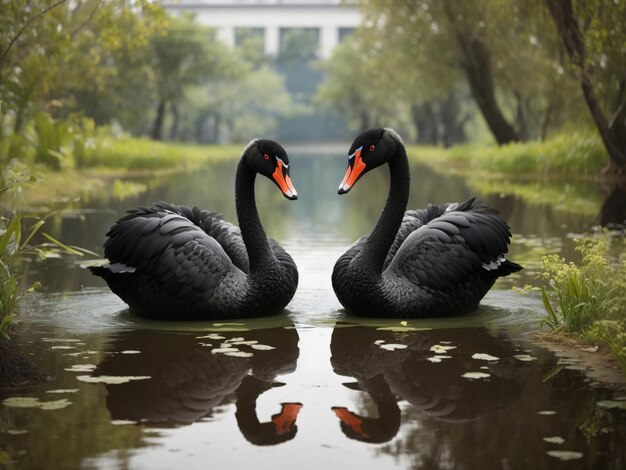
589, 298
16, 244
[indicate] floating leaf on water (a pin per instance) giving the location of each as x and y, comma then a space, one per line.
63, 390
378, 342
554, 440
441, 349
475, 375
400, 329
262, 347
211, 336
484, 367
233, 340
223, 350
16, 432
21, 402
609, 404
565, 454
54, 405
81, 368
546, 412
111, 379
32, 402
239, 354
438, 358
130, 351
525, 357
485, 357
246, 343
393, 347
120, 422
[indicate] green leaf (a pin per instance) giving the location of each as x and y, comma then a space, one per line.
65, 247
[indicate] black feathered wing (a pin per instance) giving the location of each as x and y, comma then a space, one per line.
457, 243
167, 246
213, 224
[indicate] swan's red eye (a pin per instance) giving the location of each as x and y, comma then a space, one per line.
372, 147
266, 156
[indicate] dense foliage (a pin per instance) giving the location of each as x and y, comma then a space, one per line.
448, 71
589, 298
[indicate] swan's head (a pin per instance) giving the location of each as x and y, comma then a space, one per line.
269, 159
369, 150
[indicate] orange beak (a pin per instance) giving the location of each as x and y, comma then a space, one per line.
282, 179
287, 417
353, 173
350, 419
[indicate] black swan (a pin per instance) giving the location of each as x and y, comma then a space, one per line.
433, 262
175, 262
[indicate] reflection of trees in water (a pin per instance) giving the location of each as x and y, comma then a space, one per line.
443, 420
187, 380
613, 211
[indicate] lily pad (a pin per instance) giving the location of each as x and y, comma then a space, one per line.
32, 402
485, 357
438, 358
239, 354
525, 357
224, 350
393, 347
476, 375
262, 347
554, 439
211, 336
565, 454
81, 368
441, 349
111, 379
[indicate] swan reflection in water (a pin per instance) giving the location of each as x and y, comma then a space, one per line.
426, 369
190, 374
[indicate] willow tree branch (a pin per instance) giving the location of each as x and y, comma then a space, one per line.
19, 33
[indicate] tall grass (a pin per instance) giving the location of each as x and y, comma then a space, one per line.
588, 299
576, 154
17, 234
145, 154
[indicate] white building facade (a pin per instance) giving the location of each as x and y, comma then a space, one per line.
332, 19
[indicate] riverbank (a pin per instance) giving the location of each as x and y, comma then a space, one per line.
537, 172
115, 161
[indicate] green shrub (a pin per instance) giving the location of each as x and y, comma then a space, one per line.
577, 154
16, 244
588, 298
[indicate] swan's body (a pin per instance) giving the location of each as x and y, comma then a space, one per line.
176, 262
438, 261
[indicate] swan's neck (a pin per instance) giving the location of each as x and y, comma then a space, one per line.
260, 254
380, 240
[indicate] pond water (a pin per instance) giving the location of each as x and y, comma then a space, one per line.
313, 387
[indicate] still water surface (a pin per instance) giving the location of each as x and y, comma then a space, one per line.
312, 388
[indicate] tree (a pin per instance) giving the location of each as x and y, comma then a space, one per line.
185, 54
499, 52
355, 88
593, 34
